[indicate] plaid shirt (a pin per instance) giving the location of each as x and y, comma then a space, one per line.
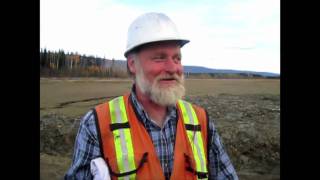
87, 145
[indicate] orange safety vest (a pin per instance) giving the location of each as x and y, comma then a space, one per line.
138, 159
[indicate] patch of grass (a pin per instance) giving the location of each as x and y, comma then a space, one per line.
54, 92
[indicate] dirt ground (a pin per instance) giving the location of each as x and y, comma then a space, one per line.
246, 114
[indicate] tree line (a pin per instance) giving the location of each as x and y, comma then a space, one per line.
61, 64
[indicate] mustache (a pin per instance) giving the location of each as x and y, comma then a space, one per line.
170, 77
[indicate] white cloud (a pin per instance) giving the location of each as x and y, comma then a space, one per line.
85, 27
232, 35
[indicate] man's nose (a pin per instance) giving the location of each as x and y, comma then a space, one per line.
172, 66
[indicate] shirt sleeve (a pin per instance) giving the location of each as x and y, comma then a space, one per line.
86, 148
220, 166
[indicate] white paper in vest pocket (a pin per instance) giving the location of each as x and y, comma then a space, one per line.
99, 169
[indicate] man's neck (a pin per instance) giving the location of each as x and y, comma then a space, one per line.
155, 111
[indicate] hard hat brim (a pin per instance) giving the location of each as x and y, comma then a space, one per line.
182, 42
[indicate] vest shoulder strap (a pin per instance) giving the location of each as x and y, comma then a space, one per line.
114, 126
193, 120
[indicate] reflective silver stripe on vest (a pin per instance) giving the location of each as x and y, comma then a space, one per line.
122, 138
195, 138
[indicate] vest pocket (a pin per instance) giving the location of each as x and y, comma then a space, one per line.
113, 162
191, 168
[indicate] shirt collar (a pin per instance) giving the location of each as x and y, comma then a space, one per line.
171, 110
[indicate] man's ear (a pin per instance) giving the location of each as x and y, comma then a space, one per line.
131, 65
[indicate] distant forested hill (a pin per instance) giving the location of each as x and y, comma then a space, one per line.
204, 70
61, 64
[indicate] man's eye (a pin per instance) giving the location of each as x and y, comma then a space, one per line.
157, 58
177, 59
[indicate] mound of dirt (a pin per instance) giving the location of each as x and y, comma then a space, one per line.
57, 134
249, 126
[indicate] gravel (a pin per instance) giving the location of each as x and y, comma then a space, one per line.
248, 125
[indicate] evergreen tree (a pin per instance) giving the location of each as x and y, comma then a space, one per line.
45, 58
61, 59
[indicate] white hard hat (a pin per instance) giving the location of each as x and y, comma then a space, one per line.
152, 27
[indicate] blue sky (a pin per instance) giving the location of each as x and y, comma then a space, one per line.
223, 34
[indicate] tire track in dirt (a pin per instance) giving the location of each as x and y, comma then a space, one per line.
63, 104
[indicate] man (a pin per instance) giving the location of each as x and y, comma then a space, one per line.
151, 133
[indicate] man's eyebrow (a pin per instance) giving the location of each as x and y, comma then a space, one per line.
162, 52
159, 54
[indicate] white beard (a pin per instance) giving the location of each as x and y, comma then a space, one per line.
165, 96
